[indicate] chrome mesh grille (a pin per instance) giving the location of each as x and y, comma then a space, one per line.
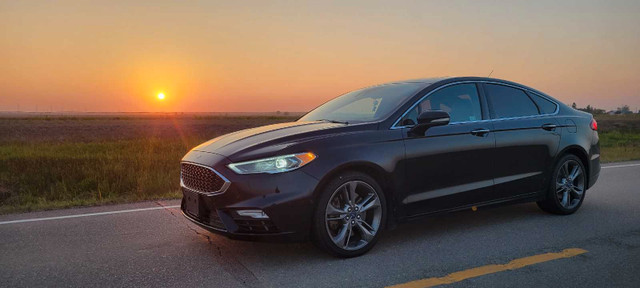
200, 179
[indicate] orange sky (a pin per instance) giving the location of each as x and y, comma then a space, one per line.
291, 56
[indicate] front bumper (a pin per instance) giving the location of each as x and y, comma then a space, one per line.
272, 237
286, 198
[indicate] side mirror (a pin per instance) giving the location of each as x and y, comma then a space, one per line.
428, 119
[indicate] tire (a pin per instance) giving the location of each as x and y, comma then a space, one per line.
340, 227
564, 184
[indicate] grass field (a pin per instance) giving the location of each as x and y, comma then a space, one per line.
619, 137
56, 162
51, 162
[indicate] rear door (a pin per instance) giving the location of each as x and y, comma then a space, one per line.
527, 139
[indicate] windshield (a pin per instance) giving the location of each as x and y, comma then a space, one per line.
364, 105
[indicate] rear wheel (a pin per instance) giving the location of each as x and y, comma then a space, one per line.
350, 215
567, 188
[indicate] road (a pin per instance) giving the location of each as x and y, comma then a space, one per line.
158, 247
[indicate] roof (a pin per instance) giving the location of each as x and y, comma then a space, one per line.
429, 81
422, 80
426, 82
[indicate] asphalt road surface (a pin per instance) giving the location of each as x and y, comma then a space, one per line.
122, 246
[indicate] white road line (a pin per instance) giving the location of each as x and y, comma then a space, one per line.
86, 215
620, 166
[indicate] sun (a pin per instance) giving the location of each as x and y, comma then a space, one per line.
160, 96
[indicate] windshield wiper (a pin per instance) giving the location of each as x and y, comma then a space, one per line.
334, 121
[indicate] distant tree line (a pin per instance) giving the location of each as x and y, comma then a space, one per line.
624, 109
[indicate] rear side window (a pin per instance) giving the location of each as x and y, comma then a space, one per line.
546, 106
509, 102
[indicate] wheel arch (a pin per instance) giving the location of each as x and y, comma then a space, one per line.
383, 178
580, 153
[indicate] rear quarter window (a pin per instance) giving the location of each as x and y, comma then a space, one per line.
545, 106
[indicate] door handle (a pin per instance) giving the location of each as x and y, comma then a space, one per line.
480, 132
549, 127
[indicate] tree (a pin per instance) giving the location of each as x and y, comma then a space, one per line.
592, 110
589, 109
624, 110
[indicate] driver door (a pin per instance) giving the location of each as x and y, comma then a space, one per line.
449, 166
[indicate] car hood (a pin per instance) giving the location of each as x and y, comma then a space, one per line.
265, 139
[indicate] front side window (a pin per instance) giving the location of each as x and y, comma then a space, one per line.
509, 102
461, 101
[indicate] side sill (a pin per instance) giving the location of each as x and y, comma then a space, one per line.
530, 197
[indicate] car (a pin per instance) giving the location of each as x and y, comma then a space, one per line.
365, 161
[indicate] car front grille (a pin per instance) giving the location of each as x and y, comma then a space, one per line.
201, 179
215, 221
256, 226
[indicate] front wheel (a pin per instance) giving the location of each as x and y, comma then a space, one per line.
350, 215
567, 188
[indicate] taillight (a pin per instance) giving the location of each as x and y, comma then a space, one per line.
594, 125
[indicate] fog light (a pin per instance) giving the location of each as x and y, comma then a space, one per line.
256, 214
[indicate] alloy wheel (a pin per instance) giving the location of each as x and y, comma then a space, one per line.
570, 184
353, 215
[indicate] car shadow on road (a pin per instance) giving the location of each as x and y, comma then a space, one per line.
422, 230
460, 221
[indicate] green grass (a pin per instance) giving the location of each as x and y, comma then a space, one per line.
619, 137
66, 161
41, 171
619, 146
55, 175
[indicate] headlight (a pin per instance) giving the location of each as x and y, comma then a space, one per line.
273, 165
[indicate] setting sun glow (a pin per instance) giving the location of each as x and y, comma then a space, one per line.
285, 58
